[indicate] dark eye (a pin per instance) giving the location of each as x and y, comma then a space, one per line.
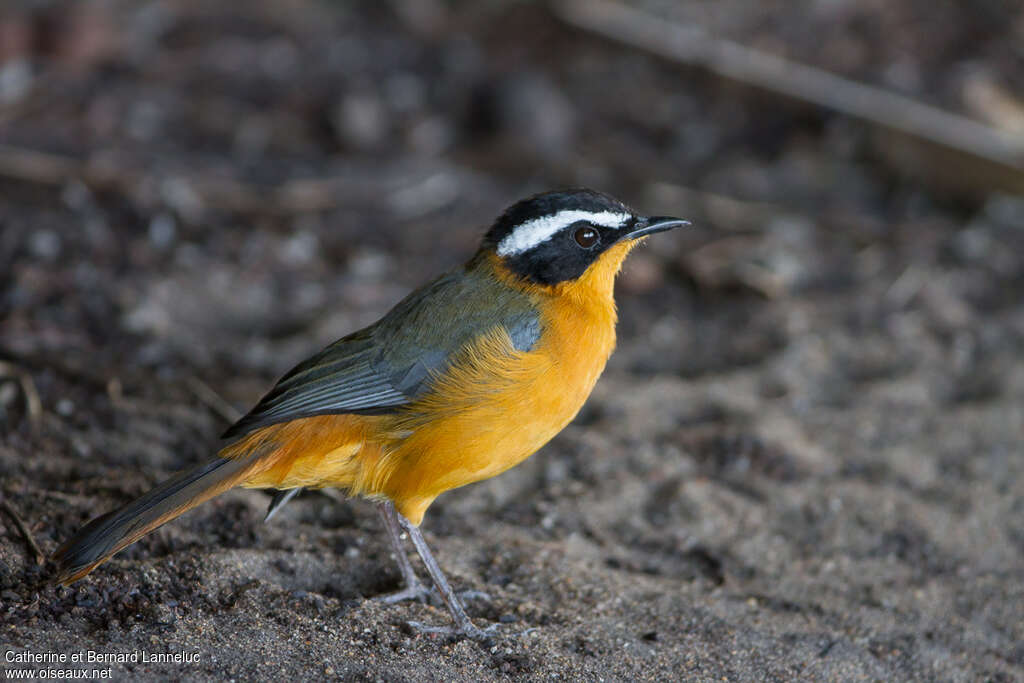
586, 237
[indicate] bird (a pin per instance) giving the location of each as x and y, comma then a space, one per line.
464, 378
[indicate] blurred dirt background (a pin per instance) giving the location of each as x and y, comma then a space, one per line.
803, 462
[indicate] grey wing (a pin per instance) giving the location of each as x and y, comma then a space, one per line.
340, 379
391, 363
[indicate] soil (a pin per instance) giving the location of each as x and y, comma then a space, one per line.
803, 462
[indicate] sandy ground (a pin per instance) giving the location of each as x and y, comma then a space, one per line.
804, 461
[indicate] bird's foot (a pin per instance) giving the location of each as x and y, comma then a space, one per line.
466, 630
420, 593
417, 592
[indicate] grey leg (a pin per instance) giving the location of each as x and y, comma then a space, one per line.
463, 624
414, 589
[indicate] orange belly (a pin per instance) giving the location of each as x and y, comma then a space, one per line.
494, 407
491, 414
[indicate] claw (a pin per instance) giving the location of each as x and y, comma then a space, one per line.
421, 593
418, 592
465, 631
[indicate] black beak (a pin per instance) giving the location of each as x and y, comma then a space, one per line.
653, 224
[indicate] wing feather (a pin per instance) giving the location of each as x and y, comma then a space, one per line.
389, 364
334, 381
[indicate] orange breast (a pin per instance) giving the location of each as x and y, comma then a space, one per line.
494, 407
489, 415
498, 406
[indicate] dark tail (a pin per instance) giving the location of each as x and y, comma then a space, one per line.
104, 536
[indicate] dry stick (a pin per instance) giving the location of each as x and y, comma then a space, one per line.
52, 169
33, 404
692, 45
38, 167
58, 365
213, 400
24, 531
295, 196
726, 212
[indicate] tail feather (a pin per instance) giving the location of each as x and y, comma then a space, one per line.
106, 535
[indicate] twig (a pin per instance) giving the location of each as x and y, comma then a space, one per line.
59, 365
213, 400
39, 167
727, 213
691, 45
24, 531
52, 169
33, 405
70, 498
300, 195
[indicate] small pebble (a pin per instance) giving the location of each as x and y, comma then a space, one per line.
45, 245
162, 230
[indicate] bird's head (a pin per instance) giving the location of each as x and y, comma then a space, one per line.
558, 239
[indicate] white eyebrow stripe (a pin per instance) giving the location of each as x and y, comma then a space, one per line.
539, 230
